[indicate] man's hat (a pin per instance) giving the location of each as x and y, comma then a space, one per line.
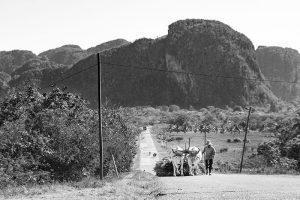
208, 142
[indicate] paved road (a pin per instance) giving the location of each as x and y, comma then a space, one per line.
147, 152
231, 186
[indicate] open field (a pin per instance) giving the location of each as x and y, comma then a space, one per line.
231, 154
219, 141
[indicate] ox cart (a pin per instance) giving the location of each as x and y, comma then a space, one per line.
183, 162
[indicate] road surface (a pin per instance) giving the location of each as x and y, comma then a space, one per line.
231, 186
148, 152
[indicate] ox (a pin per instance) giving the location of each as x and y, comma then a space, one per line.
177, 160
194, 157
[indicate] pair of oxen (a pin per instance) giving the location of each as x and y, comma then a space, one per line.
192, 156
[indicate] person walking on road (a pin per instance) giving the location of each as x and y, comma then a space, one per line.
209, 152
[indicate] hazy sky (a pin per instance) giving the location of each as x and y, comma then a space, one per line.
39, 25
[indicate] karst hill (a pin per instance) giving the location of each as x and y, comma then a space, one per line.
219, 67
283, 65
218, 60
24, 67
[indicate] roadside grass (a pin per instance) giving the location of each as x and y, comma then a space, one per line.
138, 185
32, 190
270, 171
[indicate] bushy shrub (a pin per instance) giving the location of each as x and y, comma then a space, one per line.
170, 139
224, 149
260, 164
225, 167
181, 122
174, 108
284, 151
237, 109
164, 108
237, 140
228, 108
229, 140
270, 151
55, 137
292, 150
203, 110
210, 118
191, 108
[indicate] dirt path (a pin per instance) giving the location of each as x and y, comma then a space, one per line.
148, 152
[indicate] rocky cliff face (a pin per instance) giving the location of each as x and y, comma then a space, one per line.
210, 49
282, 64
12, 60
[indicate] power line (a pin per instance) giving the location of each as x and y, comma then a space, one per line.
198, 74
166, 71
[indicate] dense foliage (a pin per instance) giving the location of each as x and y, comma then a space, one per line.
284, 151
54, 136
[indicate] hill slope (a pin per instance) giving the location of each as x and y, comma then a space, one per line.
39, 72
107, 45
192, 46
67, 54
12, 60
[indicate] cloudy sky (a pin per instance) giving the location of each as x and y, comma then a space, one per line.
39, 25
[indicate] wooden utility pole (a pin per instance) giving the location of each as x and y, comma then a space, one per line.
100, 117
241, 166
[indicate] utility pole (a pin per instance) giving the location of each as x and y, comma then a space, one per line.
241, 166
100, 117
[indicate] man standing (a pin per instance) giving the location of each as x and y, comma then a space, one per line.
210, 152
